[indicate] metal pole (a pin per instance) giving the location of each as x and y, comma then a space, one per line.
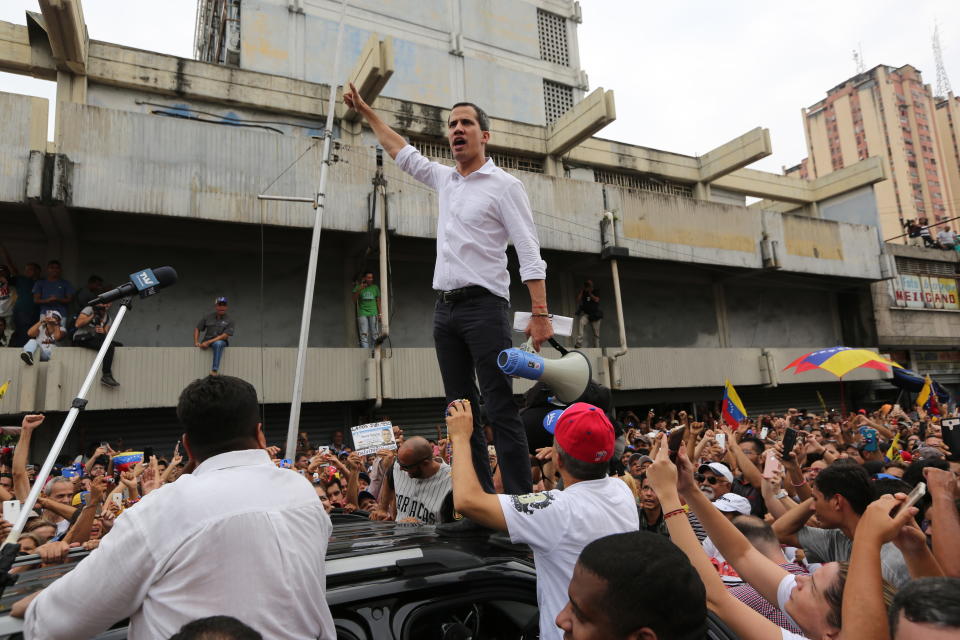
11, 546
294, 424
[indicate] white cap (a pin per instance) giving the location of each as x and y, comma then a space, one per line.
718, 468
731, 502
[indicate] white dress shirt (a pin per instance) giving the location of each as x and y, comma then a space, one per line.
478, 214
237, 537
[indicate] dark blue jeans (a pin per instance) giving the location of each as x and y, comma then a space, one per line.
468, 336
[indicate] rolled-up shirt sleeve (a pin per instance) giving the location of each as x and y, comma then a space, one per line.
105, 587
517, 218
414, 163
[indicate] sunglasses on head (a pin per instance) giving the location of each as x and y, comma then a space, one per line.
699, 477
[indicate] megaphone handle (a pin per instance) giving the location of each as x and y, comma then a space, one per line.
558, 347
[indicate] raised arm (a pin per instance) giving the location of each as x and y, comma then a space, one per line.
864, 612
21, 483
744, 621
754, 567
389, 139
946, 519
749, 470
787, 526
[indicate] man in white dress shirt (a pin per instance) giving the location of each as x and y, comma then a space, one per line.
236, 537
481, 208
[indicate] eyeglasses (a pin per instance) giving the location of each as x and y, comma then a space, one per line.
412, 465
699, 477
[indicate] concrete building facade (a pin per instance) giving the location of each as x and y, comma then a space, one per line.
947, 117
158, 160
889, 113
918, 313
519, 59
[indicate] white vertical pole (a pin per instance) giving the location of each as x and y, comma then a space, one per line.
294, 424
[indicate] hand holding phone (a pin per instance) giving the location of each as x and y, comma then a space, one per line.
789, 441
721, 440
912, 499
770, 467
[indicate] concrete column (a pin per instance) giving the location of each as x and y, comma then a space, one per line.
70, 88
701, 191
553, 166
720, 304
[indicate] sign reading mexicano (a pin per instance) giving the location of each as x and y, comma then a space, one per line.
925, 292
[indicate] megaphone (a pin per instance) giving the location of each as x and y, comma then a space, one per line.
569, 376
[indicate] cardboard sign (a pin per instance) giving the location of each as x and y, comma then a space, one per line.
370, 438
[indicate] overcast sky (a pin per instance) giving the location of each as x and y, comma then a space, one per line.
689, 75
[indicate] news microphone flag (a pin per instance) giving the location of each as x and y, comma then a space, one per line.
732, 408
127, 460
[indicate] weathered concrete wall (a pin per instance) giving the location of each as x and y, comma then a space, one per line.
498, 66
20, 116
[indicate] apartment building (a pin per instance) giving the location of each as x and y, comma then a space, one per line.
890, 113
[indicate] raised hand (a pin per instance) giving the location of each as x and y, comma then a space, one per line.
31, 421
353, 100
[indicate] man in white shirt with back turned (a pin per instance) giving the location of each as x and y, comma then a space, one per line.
481, 208
236, 537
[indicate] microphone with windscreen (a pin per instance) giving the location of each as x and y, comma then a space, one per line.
145, 283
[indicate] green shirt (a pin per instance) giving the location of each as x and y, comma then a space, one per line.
367, 302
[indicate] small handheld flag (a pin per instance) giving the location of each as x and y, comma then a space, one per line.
127, 460
732, 408
3, 389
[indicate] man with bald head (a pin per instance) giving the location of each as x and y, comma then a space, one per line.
419, 481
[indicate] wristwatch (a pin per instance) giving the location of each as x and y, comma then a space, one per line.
781, 494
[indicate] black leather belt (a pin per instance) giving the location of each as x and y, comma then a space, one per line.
465, 293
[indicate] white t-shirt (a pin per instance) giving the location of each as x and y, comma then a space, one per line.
784, 589
558, 525
421, 498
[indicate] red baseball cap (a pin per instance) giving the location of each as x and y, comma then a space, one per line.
585, 432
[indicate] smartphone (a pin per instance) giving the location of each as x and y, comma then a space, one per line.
913, 498
721, 439
674, 440
11, 511
176, 449
923, 430
764, 432
118, 500
770, 467
789, 440
286, 463
147, 453
950, 432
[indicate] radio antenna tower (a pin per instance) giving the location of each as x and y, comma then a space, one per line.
858, 58
943, 82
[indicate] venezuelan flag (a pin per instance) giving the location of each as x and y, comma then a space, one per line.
732, 408
127, 460
893, 453
926, 398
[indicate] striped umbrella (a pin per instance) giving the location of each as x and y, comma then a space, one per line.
840, 361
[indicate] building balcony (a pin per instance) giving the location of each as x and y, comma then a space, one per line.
153, 377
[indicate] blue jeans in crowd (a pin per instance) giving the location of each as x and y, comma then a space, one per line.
32, 346
218, 348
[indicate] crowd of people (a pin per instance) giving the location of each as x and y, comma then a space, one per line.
39, 313
802, 541
921, 233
